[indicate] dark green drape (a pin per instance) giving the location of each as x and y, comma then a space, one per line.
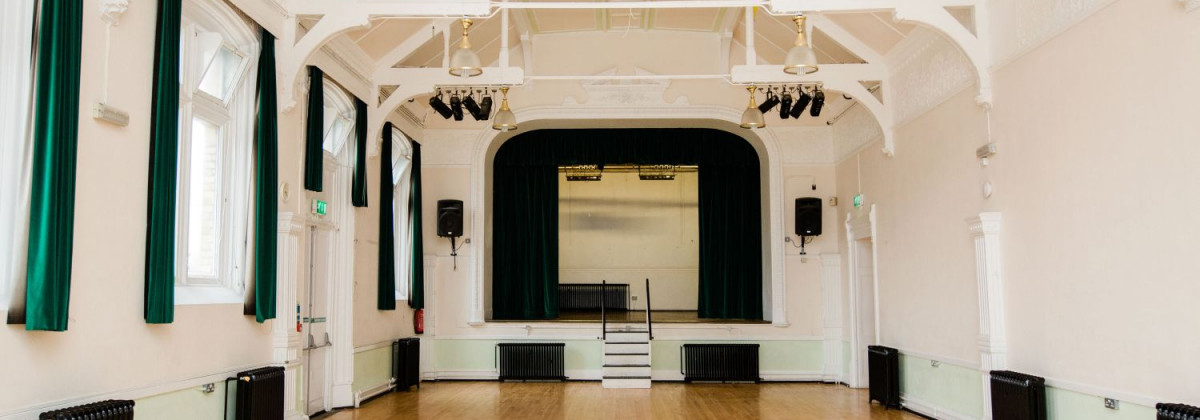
266, 178
416, 295
164, 147
55, 142
358, 186
387, 227
314, 133
525, 213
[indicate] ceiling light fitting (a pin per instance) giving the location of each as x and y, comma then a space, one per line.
464, 62
753, 117
801, 59
505, 119
791, 100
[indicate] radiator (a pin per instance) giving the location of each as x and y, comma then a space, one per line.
258, 394
1017, 396
883, 372
103, 410
588, 296
532, 361
1177, 412
406, 363
719, 362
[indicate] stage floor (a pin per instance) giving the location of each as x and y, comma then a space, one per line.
665, 317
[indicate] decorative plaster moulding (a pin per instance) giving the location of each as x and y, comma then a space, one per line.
1190, 5
625, 92
111, 11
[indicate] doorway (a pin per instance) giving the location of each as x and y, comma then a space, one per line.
864, 299
314, 312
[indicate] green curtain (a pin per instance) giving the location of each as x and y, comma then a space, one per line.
387, 227
314, 133
266, 179
525, 213
358, 186
55, 142
416, 295
164, 147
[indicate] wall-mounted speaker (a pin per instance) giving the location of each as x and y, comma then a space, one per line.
808, 216
450, 218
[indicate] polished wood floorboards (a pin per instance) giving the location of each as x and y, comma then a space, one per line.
587, 400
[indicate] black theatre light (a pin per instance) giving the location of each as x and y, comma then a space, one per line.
438, 105
485, 109
785, 104
771, 101
817, 103
456, 106
471, 106
802, 102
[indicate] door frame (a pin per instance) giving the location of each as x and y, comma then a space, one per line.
861, 228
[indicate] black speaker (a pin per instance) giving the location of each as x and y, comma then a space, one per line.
450, 218
808, 216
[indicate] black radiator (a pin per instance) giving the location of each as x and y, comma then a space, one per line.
532, 361
719, 362
406, 363
258, 394
1177, 412
883, 371
103, 410
588, 296
1018, 396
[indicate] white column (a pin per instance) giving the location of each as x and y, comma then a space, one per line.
285, 338
993, 344
831, 302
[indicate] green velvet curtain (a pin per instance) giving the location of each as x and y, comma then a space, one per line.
416, 295
55, 142
266, 180
314, 133
358, 186
387, 228
525, 213
164, 148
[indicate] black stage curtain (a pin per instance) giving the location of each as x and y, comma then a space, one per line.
525, 215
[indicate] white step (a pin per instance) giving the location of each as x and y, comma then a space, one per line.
627, 337
626, 371
640, 348
626, 383
627, 359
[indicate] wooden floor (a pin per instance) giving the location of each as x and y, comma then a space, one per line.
587, 400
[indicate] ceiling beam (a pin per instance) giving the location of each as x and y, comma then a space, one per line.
845, 38
412, 43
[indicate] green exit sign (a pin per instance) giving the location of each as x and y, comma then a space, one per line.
858, 200
319, 207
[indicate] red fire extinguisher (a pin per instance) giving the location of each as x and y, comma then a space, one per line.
419, 321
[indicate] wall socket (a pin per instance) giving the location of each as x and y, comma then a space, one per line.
1112, 404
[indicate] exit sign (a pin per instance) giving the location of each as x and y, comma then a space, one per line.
858, 200
319, 207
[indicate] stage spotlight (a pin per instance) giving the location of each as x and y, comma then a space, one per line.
818, 102
471, 106
438, 105
802, 102
456, 106
769, 103
485, 109
785, 104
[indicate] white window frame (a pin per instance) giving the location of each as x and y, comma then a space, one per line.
401, 213
16, 90
234, 114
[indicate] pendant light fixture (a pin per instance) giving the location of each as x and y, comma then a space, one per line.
801, 59
464, 62
752, 118
505, 119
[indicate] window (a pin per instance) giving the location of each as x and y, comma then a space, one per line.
401, 179
16, 40
216, 137
339, 119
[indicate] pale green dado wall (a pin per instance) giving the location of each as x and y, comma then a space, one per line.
193, 404
372, 368
959, 390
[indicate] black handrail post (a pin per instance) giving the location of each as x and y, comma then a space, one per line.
649, 325
603, 314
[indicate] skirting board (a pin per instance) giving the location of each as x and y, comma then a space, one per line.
366, 394
926, 409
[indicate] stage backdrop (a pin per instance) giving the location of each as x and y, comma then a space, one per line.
525, 215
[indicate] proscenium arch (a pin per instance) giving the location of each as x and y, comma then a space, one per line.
713, 117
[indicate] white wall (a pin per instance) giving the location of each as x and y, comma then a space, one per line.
1094, 177
625, 230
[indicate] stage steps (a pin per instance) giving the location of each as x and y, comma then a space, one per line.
626, 357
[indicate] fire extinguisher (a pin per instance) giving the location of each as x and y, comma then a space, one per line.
419, 321
299, 326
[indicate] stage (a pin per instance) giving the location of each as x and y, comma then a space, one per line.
621, 316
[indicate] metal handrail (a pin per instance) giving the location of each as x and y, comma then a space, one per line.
649, 328
603, 314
